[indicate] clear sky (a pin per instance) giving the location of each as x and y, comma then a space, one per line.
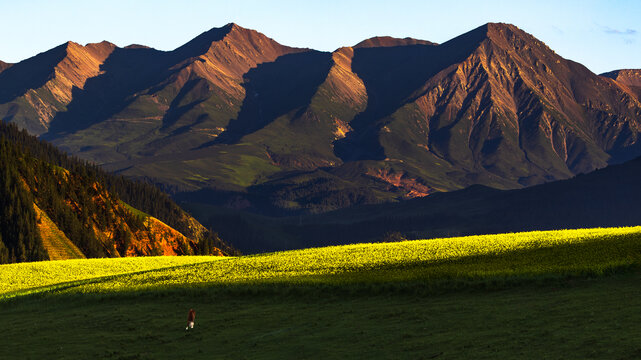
603, 35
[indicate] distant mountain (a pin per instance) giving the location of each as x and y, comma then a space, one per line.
233, 118
52, 212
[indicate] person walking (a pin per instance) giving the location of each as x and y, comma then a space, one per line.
191, 317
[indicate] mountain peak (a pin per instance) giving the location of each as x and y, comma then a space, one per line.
201, 43
102, 44
388, 41
505, 36
234, 27
508, 34
137, 46
4, 66
499, 26
504, 30
71, 45
104, 48
224, 55
493, 31
235, 32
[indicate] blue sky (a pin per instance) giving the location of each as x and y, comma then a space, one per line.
603, 35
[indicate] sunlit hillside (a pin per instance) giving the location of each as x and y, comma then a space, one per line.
447, 262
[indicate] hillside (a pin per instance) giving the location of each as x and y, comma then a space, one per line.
235, 119
51, 212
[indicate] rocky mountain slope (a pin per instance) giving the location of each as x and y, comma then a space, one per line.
236, 119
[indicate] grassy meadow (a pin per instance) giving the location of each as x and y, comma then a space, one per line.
553, 294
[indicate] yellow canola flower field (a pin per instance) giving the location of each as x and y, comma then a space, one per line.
40, 275
528, 254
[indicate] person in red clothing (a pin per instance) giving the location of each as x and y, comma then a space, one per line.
191, 317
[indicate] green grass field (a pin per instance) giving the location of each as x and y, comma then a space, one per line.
570, 294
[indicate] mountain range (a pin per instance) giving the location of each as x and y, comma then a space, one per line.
234, 118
